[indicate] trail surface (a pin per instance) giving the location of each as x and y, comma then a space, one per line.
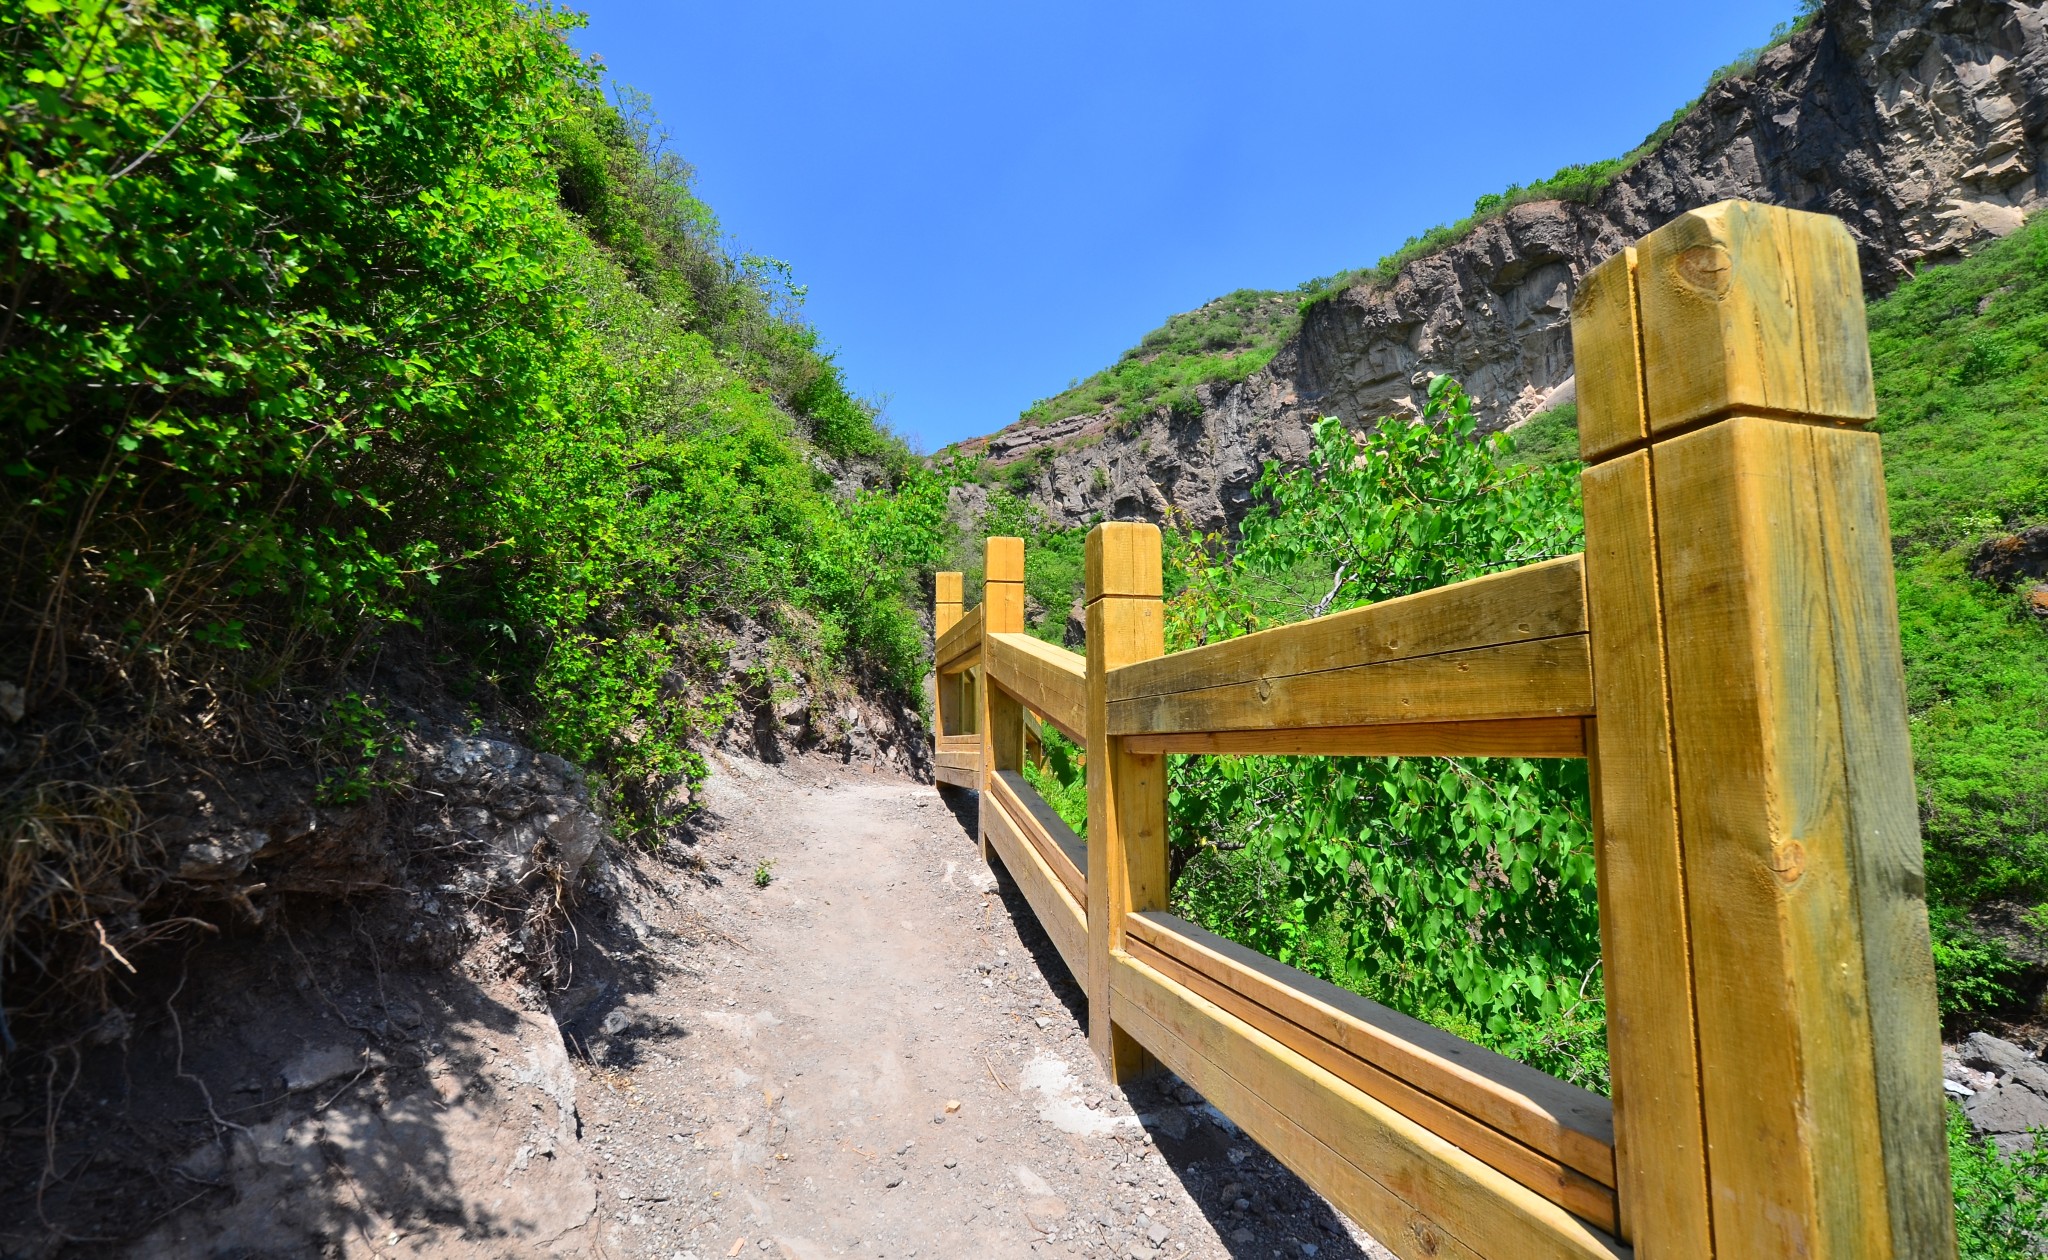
879, 1054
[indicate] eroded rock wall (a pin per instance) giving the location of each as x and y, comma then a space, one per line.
1922, 124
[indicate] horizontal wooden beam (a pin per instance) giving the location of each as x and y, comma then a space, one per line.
1535, 678
1062, 917
1541, 601
1056, 842
958, 759
1239, 990
950, 654
1528, 737
1418, 1193
1050, 681
1573, 1125
956, 776
959, 743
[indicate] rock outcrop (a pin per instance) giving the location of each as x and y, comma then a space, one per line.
1922, 124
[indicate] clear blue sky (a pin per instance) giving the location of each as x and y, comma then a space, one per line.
987, 199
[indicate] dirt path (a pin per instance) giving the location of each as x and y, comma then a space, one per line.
879, 1054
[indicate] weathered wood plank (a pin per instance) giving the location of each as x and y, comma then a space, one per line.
1787, 987
1002, 612
957, 776
1535, 678
1062, 917
1607, 349
1887, 857
1568, 1188
1644, 946
960, 646
1051, 681
1539, 601
1754, 308
1557, 1120
946, 603
960, 759
1528, 737
1064, 852
1419, 1194
1127, 868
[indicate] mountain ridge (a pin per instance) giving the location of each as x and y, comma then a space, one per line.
1923, 124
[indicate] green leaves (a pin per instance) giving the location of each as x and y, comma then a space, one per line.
310, 330
1459, 890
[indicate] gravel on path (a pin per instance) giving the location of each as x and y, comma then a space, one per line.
860, 1043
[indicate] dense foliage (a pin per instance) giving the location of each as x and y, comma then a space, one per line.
2001, 1201
334, 315
1460, 890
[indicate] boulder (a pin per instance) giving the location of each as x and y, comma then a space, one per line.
2012, 1109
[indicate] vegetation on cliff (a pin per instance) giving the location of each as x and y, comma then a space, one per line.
328, 318
1226, 340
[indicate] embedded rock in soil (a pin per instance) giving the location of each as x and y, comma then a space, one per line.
2008, 561
2016, 1102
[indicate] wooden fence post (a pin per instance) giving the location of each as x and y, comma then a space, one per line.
1127, 868
1002, 718
946, 613
1771, 1016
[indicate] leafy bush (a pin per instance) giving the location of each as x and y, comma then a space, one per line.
323, 318
1460, 890
2001, 1202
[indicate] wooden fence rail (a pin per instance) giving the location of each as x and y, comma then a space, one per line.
1725, 654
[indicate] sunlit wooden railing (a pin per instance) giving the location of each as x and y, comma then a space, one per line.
1725, 654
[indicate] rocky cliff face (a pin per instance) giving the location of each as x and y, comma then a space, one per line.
1922, 124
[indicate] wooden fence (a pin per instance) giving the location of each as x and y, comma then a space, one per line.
1726, 655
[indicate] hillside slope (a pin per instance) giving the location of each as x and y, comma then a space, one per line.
1921, 123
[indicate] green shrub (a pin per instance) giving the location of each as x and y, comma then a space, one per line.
326, 318
2001, 1202
1459, 890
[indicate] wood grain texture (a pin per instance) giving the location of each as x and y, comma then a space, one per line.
1886, 854
1002, 589
1051, 681
1002, 612
1560, 1121
1529, 737
1065, 854
1122, 558
1127, 867
1572, 1190
1752, 307
1644, 938
1002, 559
1419, 1194
962, 760
960, 646
1536, 678
1062, 917
1539, 601
946, 603
1607, 349
1795, 1155
955, 776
